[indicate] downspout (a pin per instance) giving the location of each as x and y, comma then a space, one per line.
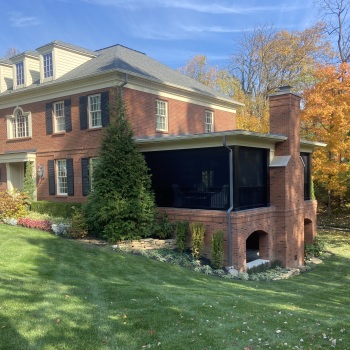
228, 213
123, 84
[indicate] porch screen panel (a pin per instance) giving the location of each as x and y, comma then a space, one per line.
252, 178
191, 178
306, 157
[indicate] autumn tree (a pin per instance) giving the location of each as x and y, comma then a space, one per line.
335, 14
266, 58
326, 118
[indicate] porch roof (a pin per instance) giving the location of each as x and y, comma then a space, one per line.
17, 157
217, 139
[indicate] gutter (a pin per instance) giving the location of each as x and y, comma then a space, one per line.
228, 213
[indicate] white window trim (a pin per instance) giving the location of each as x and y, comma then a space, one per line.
46, 54
209, 127
58, 189
10, 119
55, 116
15, 74
89, 112
42, 74
166, 117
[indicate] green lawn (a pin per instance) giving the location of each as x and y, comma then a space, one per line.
62, 294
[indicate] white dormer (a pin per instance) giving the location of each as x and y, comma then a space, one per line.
58, 58
6, 77
25, 67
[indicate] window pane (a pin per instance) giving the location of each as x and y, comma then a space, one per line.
62, 177
20, 125
209, 121
161, 116
48, 71
95, 111
59, 116
20, 73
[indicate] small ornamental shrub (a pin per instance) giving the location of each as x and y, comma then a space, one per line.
44, 225
197, 232
217, 249
78, 227
55, 209
163, 227
29, 186
316, 248
182, 228
13, 205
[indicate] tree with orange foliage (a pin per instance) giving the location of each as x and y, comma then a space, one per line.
326, 118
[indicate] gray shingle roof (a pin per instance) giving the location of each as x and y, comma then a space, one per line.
126, 60
68, 46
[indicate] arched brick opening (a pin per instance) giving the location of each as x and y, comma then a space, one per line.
308, 231
257, 246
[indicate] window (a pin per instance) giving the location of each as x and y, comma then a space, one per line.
20, 73
47, 60
61, 171
161, 116
59, 119
209, 121
19, 124
92, 165
94, 109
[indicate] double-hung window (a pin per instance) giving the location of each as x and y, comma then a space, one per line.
19, 73
47, 61
61, 171
94, 108
209, 121
59, 119
161, 115
20, 125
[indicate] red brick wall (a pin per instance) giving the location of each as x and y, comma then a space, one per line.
183, 118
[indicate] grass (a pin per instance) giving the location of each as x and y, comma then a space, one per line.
62, 294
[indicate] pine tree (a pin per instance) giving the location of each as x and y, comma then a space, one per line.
121, 204
29, 186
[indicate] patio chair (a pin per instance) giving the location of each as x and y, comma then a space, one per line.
220, 199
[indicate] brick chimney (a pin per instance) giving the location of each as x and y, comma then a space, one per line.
287, 179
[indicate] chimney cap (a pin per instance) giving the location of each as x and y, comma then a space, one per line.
284, 88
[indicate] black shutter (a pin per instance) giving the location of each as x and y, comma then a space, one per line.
83, 112
104, 108
48, 117
51, 172
67, 115
70, 177
85, 176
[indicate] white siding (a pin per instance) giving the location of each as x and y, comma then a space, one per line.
6, 78
32, 70
65, 61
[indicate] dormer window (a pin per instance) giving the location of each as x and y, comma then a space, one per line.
47, 61
20, 73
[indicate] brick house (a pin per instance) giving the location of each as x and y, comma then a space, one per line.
254, 187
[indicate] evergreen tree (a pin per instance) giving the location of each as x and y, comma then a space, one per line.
121, 204
29, 186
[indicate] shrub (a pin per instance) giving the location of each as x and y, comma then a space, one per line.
78, 227
44, 225
55, 209
182, 228
163, 227
121, 204
217, 249
197, 232
29, 186
316, 248
13, 204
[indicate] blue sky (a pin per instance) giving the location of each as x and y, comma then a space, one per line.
171, 31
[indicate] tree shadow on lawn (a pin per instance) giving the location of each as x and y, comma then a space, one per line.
82, 298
